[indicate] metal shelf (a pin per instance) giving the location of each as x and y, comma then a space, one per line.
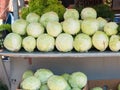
56, 54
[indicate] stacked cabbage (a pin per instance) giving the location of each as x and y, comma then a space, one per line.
45, 79
47, 33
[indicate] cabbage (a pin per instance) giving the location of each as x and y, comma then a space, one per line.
82, 42
35, 29
114, 43
89, 26
111, 28
102, 23
19, 26
88, 12
66, 76
75, 88
54, 28
29, 43
49, 16
71, 13
97, 88
119, 86
100, 40
71, 26
30, 83
78, 80
57, 83
12, 42
44, 87
27, 74
32, 17
45, 43
43, 75
64, 42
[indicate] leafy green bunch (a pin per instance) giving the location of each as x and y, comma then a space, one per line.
42, 6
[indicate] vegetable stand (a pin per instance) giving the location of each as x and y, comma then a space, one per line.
95, 64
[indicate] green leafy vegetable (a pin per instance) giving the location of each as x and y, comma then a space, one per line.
42, 6
5, 27
104, 11
24, 12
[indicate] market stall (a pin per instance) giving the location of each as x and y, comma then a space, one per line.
96, 63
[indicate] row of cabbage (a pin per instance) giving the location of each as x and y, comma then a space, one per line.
45, 79
47, 33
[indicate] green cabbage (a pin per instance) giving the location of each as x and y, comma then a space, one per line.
12, 42
47, 17
64, 42
71, 26
27, 74
35, 29
57, 83
71, 13
32, 17
89, 26
114, 43
43, 75
88, 12
19, 26
54, 28
111, 28
29, 43
45, 43
78, 80
30, 83
100, 40
82, 42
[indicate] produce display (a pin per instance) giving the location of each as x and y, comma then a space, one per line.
45, 79
48, 33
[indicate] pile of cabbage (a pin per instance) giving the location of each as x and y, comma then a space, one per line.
46, 33
45, 79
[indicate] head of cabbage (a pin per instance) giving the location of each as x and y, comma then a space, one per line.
35, 29
27, 74
43, 75
82, 42
71, 13
32, 17
13, 42
111, 28
88, 12
48, 16
29, 43
114, 43
100, 40
89, 26
30, 83
78, 80
54, 28
102, 23
71, 26
45, 43
56, 82
19, 26
64, 42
